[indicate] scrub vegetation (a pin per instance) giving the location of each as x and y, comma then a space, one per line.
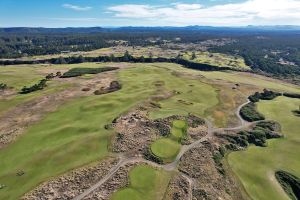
81, 71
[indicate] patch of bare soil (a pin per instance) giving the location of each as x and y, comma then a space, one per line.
16, 120
209, 183
73, 183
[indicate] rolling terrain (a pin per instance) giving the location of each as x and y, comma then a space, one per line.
142, 129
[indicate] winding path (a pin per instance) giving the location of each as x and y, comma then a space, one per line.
171, 166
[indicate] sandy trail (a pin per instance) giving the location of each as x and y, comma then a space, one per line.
168, 167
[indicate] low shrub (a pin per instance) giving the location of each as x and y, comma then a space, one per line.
218, 161
41, 85
250, 114
148, 155
269, 125
265, 95
81, 71
292, 95
255, 97
3, 86
296, 113
289, 183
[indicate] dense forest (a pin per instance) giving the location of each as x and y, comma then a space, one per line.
273, 53
267, 51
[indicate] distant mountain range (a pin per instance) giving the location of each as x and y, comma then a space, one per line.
132, 28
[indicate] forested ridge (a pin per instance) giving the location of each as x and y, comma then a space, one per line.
266, 51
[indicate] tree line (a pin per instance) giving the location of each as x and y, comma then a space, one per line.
125, 58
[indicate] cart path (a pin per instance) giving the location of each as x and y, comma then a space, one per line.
171, 166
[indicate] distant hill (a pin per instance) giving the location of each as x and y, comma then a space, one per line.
162, 28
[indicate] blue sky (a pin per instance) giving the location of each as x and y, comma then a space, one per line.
84, 13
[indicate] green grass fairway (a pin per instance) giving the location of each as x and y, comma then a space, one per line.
256, 166
27, 75
238, 77
165, 148
255, 80
146, 183
192, 96
179, 129
19, 76
52, 87
72, 136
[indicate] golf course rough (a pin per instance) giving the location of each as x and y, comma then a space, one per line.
145, 183
256, 166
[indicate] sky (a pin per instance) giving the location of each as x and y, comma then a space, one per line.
111, 13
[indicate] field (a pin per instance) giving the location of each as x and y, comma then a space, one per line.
217, 59
78, 127
28, 74
145, 183
256, 166
205, 57
189, 96
74, 135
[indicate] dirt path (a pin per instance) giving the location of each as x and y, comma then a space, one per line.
171, 166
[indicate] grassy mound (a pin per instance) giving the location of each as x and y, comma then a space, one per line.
146, 183
165, 148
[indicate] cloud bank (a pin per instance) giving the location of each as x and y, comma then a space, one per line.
76, 8
255, 12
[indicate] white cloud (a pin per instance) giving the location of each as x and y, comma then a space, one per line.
256, 12
181, 6
77, 8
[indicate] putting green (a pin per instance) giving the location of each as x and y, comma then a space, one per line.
256, 166
146, 183
168, 148
179, 129
165, 148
